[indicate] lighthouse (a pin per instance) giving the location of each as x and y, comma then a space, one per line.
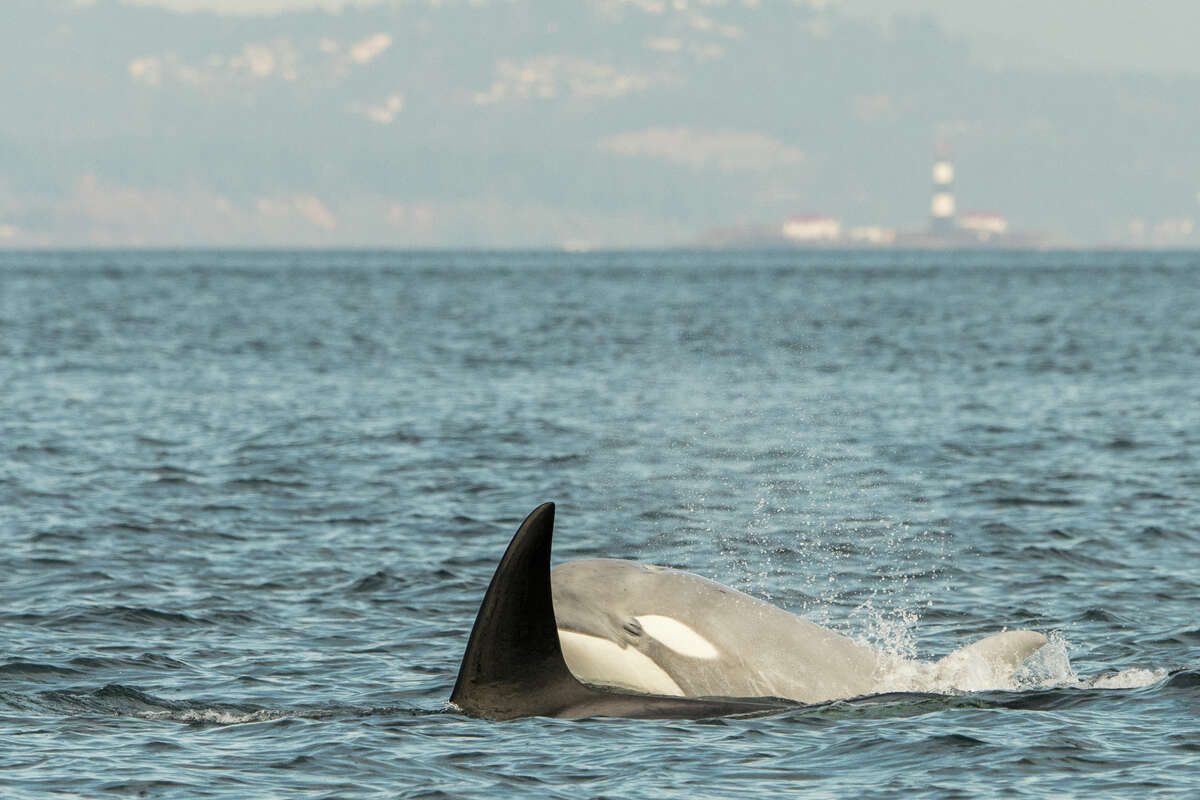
941, 206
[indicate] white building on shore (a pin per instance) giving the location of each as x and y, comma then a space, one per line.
812, 228
983, 224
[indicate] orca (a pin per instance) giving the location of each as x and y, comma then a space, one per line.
613, 638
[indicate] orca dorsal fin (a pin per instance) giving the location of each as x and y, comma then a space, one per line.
514, 666
514, 662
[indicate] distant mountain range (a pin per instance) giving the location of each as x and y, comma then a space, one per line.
541, 123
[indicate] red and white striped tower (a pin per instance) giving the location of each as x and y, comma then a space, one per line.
941, 206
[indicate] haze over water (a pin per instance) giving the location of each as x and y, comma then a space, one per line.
250, 501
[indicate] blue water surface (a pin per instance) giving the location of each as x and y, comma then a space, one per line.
250, 501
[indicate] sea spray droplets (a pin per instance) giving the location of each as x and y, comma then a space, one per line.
893, 631
761, 535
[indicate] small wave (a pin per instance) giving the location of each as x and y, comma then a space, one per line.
129, 701
1184, 679
1022, 500
1102, 615
1153, 533
1077, 555
130, 615
1187, 636
171, 480
144, 660
956, 740
29, 668
151, 441
353, 521
127, 527
53, 536
145, 788
265, 485
231, 615
376, 581
1003, 530
121, 700
170, 470
400, 436
136, 617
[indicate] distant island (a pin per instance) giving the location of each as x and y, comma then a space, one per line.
947, 229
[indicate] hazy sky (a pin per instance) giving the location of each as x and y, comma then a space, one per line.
1158, 36
613, 123
1144, 35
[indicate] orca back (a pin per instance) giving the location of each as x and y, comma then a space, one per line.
514, 666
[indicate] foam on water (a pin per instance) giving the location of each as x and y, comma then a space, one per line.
964, 672
1133, 678
214, 716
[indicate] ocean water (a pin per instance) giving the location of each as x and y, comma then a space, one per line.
250, 501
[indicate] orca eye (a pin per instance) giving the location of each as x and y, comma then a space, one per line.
633, 627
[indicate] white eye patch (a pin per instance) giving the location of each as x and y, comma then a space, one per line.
675, 635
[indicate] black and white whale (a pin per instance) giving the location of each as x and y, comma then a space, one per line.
604, 637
